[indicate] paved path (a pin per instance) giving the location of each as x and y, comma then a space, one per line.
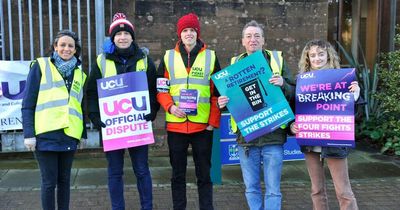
375, 180
376, 194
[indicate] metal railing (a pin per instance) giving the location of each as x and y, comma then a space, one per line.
32, 25
27, 29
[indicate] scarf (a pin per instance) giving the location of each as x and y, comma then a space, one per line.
126, 52
64, 67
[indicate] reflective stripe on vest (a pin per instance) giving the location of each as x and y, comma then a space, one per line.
198, 78
108, 69
56, 108
276, 63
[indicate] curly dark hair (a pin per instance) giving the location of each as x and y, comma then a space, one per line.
73, 36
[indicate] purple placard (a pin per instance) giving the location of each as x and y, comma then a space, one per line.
325, 108
188, 99
123, 102
119, 84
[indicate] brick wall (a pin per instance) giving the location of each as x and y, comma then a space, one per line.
288, 26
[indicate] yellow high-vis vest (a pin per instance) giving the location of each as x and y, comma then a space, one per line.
108, 69
198, 78
276, 64
56, 108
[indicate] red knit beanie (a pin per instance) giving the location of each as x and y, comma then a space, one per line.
120, 23
188, 21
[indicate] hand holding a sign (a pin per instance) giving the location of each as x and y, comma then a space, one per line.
355, 88
276, 80
95, 118
177, 112
150, 117
222, 101
294, 128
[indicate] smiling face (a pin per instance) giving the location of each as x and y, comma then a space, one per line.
318, 57
65, 47
189, 37
253, 39
123, 39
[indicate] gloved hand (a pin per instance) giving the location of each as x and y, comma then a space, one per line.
30, 143
96, 120
150, 117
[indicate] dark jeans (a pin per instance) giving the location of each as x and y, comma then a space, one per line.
55, 170
139, 159
178, 144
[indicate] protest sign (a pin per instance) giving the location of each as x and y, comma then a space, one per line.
229, 147
13, 76
124, 101
188, 100
325, 108
257, 106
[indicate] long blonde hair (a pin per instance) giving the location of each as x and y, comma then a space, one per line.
333, 58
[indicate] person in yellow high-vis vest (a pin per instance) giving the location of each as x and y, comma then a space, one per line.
188, 96
53, 119
266, 151
121, 54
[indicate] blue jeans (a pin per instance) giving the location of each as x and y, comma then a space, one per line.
250, 161
55, 170
139, 159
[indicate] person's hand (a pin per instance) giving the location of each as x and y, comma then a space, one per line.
210, 128
150, 117
276, 80
222, 101
96, 121
30, 143
177, 112
82, 143
355, 88
294, 128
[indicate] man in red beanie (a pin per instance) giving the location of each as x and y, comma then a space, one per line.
121, 55
184, 73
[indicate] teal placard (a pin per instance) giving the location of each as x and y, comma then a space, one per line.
257, 106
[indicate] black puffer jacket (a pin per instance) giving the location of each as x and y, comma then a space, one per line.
124, 63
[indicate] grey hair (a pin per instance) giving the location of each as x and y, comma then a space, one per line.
253, 23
